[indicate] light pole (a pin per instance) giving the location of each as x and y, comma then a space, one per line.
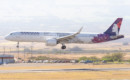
31, 51
4, 50
18, 52
10, 50
24, 53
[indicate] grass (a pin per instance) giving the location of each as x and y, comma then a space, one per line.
66, 56
86, 75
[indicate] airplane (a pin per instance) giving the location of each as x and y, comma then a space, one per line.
54, 38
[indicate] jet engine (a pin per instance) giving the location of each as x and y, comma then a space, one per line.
51, 42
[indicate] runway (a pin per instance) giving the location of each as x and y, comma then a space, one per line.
60, 67
63, 70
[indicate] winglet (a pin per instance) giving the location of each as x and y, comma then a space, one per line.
80, 30
64, 38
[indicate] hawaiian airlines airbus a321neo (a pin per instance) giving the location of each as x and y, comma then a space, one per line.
54, 38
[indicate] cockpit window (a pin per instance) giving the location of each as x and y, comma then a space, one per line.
11, 33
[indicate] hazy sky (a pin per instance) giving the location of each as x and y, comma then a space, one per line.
62, 15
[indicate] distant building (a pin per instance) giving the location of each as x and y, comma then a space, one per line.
5, 59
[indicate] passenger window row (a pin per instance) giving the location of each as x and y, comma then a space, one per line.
30, 33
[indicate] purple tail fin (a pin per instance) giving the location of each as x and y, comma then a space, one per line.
114, 29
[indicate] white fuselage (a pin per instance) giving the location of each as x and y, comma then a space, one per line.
44, 36
54, 38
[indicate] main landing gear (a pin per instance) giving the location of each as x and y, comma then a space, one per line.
17, 45
63, 46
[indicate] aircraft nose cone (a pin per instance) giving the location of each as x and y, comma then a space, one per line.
7, 37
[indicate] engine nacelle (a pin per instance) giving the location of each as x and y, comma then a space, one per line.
51, 42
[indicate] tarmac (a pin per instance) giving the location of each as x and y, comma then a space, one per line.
54, 70
65, 70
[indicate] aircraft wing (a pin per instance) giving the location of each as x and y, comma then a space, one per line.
66, 38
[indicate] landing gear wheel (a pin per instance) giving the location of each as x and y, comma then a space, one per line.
63, 47
17, 46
